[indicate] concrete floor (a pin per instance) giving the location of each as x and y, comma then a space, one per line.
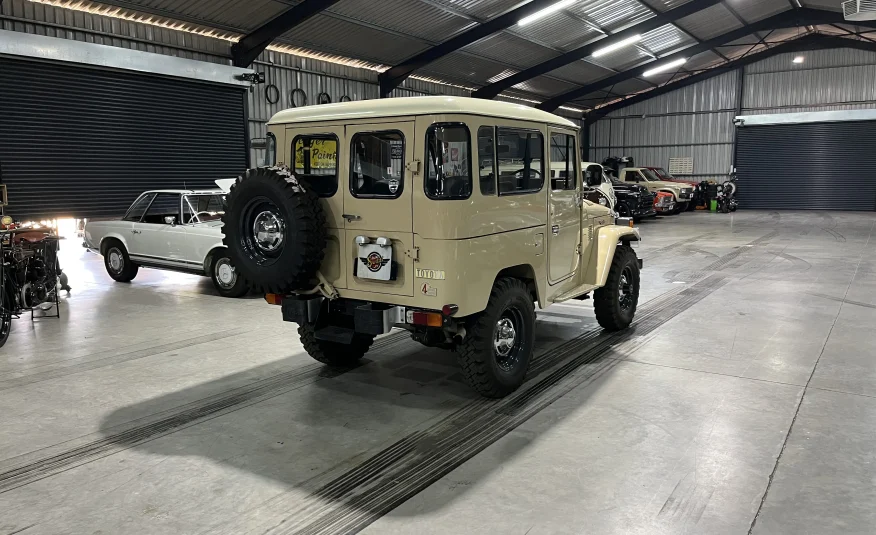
743, 400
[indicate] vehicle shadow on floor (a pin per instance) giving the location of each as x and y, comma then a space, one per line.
363, 440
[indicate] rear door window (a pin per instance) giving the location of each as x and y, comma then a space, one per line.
316, 161
377, 165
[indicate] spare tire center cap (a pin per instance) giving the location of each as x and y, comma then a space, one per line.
268, 230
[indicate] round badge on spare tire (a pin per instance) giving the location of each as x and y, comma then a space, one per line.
274, 230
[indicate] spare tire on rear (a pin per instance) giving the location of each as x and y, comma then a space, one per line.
274, 230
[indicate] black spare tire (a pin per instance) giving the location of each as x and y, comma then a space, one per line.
274, 230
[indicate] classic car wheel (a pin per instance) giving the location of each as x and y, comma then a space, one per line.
497, 348
274, 230
623, 209
225, 277
615, 303
334, 353
117, 262
5, 317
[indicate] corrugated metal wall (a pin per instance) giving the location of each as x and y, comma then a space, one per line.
286, 71
696, 121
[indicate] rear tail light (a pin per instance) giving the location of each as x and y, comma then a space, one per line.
428, 319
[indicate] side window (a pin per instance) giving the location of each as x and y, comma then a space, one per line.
448, 171
521, 162
316, 161
164, 205
563, 161
136, 211
377, 165
487, 159
270, 150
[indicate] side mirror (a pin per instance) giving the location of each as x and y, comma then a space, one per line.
170, 220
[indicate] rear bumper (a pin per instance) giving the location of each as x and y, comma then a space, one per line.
368, 318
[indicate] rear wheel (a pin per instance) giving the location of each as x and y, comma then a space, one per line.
497, 348
334, 353
117, 262
225, 277
615, 303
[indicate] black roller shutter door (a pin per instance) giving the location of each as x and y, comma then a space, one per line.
84, 142
810, 166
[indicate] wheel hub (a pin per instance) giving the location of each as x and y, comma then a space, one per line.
268, 230
625, 289
506, 335
115, 260
225, 274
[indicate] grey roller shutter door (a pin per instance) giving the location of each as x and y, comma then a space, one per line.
85, 142
810, 166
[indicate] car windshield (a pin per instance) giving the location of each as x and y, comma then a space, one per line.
204, 207
662, 173
650, 176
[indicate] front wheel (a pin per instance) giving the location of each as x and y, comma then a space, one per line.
118, 264
615, 303
497, 348
623, 209
334, 353
225, 277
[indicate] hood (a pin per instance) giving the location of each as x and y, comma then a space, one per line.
636, 188
209, 224
674, 186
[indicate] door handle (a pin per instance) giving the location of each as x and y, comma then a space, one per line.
136, 232
350, 217
555, 230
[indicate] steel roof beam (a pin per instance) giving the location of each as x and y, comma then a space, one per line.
786, 19
394, 76
248, 48
492, 90
808, 42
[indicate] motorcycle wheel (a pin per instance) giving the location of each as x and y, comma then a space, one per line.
5, 317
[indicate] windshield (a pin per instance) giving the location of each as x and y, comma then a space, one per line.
662, 173
650, 176
201, 208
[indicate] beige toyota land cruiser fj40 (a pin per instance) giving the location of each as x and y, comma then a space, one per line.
438, 215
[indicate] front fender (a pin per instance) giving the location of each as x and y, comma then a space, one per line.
608, 239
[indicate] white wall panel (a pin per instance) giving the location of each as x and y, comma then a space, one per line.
713, 94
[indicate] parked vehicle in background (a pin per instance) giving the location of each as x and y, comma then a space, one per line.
664, 203
179, 230
698, 195
598, 185
633, 200
727, 196
682, 194
436, 216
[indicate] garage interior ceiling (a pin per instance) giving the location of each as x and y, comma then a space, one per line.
478, 45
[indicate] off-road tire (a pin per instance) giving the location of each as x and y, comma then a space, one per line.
294, 264
477, 354
128, 269
239, 287
333, 353
610, 313
623, 209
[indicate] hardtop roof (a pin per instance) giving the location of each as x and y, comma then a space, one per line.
407, 106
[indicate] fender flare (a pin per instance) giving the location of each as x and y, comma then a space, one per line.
608, 238
113, 236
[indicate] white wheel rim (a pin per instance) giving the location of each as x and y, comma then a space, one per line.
115, 260
225, 274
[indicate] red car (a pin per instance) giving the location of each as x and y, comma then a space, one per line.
664, 175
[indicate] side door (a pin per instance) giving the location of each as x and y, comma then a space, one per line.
157, 240
125, 227
564, 207
317, 156
378, 207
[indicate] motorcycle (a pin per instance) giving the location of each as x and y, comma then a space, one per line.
727, 196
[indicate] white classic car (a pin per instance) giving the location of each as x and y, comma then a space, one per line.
179, 230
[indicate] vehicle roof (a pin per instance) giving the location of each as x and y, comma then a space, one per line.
185, 191
427, 105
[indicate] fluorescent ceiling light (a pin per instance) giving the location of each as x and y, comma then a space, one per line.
665, 67
553, 8
615, 46
799, 59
